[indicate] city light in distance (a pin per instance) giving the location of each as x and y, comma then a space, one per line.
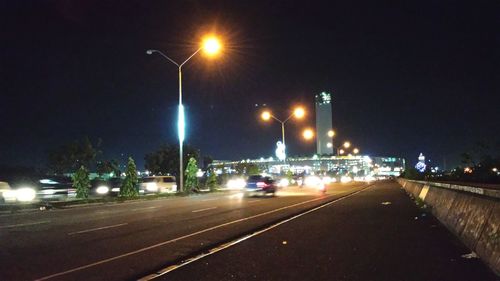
308, 134
331, 133
341, 151
329, 145
347, 144
355, 151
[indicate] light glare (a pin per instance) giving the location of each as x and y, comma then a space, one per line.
308, 134
299, 112
211, 45
266, 115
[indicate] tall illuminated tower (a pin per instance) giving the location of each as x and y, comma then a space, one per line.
324, 142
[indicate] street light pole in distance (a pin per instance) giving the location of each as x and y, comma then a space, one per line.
298, 113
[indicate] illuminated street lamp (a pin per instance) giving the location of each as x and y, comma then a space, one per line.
308, 134
347, 144
211, 46
341, 151
298, 113
355, 151
331, 133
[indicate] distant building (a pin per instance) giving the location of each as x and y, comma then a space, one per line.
356, 166
323, 105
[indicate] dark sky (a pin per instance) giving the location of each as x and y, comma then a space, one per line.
406, 76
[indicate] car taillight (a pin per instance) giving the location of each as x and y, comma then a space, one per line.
261, 184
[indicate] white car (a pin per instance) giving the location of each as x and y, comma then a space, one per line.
158, 184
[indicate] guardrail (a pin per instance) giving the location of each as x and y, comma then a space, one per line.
471, 213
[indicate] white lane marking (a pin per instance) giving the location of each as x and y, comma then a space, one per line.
239, 240
210, 199
145, 208
177, 239
95, 229
23, 224
254, 200
205, 209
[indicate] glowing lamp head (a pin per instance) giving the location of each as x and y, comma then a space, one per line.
308, 134
211, 45
347, 144
299, 112
331, 133
329, 145
341, 151
266, 115
355, 151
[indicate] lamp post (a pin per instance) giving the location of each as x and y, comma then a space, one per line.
298, 113
211, 46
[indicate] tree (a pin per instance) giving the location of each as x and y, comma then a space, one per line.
191, 179
68, 158
128, 188
253, 169
207, 160
212, 179
107, 167
81, 182
166, 159
247, 168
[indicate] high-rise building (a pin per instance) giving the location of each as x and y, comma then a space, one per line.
324, 138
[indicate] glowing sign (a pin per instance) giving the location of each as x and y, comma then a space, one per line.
280, 151
421, 163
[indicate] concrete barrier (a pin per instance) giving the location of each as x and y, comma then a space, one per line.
471, 213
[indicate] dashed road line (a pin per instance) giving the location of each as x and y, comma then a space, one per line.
96, 229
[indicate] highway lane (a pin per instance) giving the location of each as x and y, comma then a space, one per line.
123, 241
376, 234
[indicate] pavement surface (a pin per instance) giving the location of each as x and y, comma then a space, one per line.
376, 234
126, 241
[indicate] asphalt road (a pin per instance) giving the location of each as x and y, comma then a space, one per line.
376, 234
126, 241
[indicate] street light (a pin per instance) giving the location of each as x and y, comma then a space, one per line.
341, 151
308, 134
355, 151
347, 144
211, 46
331, 133
298, 113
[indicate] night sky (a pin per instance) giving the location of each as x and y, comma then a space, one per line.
406, 76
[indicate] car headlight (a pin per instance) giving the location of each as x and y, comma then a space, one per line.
284, 182
25, 194
102, 189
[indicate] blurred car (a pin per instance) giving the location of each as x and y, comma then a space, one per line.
158, 184
55, 188
5, 189
261, 185
108, 187
17, 191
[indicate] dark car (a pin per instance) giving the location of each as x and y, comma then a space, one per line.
55, 188
261, 185
108, 187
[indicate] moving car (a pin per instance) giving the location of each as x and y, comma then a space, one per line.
158, 184
102, 187
261, 185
